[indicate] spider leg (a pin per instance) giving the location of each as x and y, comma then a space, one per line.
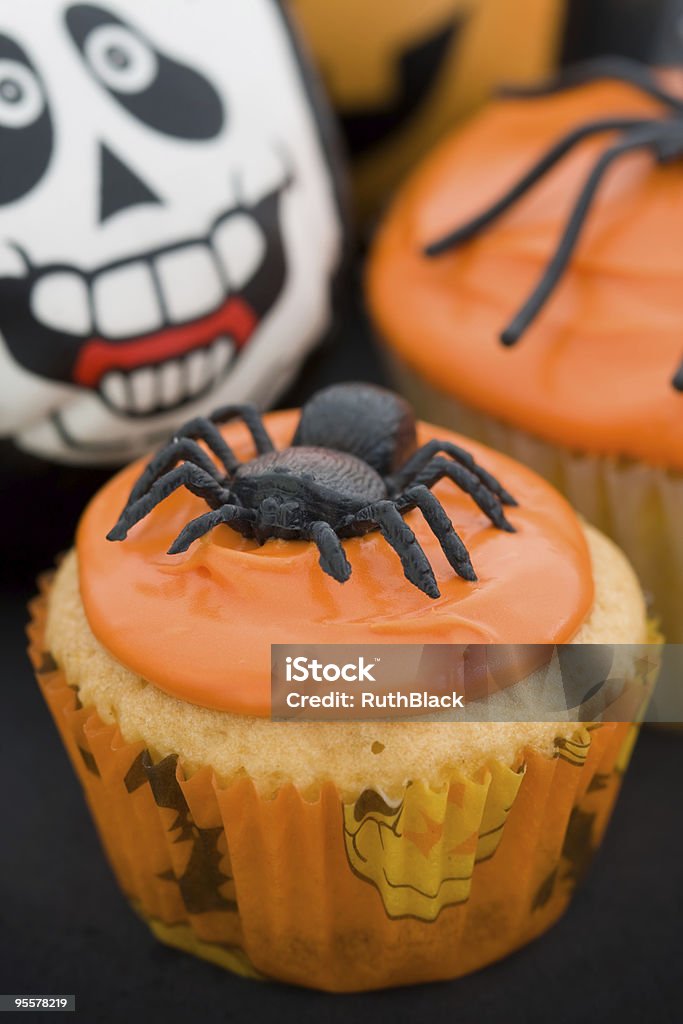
203, 429
252, 421
186, 475
488, 502
441, 526
424, 455
332, 560
183, 449
401, 538
184, 446
552, 157
645, 137
231, 515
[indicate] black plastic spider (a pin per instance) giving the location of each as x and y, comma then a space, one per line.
352, 467
662, 136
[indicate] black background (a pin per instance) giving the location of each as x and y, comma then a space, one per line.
615, 956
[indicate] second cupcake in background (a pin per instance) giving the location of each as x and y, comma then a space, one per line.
527, 285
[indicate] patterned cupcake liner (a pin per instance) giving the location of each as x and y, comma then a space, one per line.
336, 895
640, 507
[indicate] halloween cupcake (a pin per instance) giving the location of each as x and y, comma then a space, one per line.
527, 284
340, 855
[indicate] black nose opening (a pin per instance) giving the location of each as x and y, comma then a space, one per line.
120, 187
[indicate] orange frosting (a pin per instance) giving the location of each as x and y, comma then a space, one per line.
199, 625
593, 371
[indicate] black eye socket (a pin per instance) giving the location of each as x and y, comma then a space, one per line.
166, 95
25, 125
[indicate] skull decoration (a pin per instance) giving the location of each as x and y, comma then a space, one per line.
169, 220
421, 854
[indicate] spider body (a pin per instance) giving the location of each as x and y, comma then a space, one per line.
290, 490
353, 466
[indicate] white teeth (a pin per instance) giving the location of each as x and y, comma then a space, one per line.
115, 390
60, 300
190, 282
198, 370
144, 389
183, 285
169, 383
171, 376
126, 302
241, 247
221, 353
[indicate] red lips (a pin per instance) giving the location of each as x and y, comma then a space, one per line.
98, 356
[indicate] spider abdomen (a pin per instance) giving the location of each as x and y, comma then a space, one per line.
371, 423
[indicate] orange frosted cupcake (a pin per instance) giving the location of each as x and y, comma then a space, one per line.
527, 285
340, 855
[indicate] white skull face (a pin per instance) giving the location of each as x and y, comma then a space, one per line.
169, 228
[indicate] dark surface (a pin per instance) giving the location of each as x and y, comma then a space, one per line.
648, 30
615, 956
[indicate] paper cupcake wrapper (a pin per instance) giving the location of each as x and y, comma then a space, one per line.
640, 507
334, 895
